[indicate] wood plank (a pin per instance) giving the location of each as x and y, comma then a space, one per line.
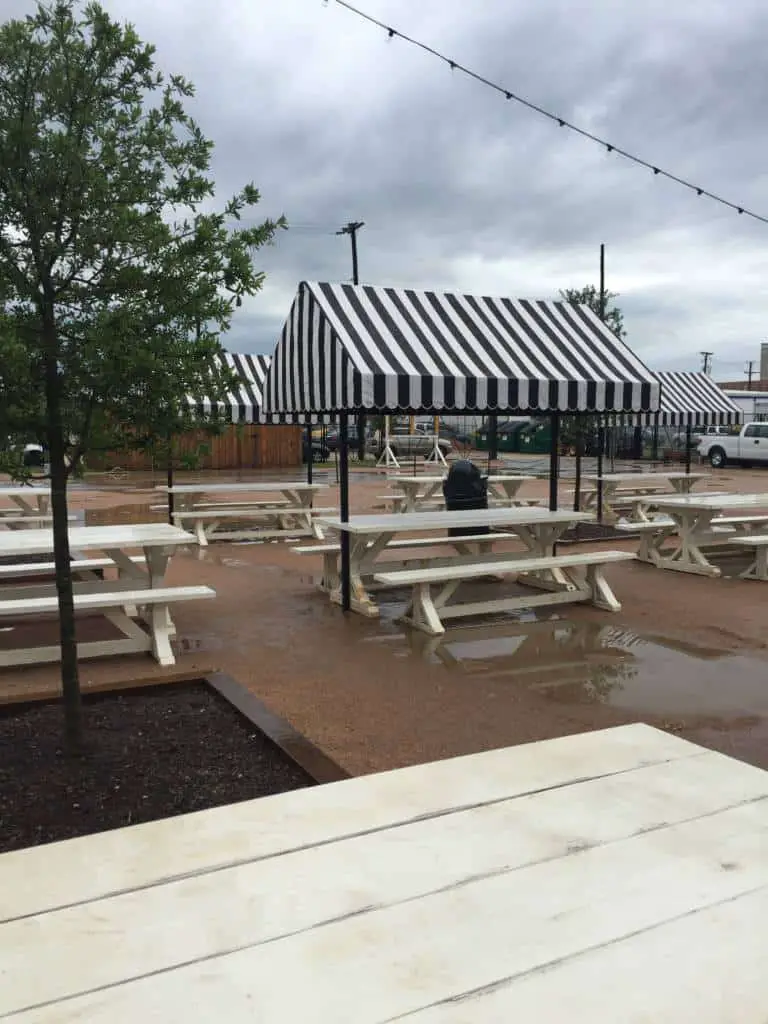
502, 563
60, 874
168, 925
708, 968
391, 961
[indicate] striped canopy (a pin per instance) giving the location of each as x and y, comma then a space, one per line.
692, 400
245, 404
358, 348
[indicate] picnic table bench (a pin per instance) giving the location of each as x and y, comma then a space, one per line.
696, 524
427, 612
538, 529
421, 492
627, 488
473, 545
610, 876
139, 592
290, 515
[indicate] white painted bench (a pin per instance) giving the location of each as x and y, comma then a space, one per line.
331, 552
78, 566
758, 542
112, 604
205, 523
26, 519
426, 612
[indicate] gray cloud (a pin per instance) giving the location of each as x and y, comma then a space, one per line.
461, 189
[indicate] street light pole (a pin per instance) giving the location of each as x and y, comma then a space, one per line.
351, 229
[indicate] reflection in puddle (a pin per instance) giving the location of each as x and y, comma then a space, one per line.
118, 514
577, 663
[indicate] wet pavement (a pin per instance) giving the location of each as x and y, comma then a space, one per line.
686, 653
584, 663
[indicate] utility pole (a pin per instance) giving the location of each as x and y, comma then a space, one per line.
351, 229
706, 361
750, 370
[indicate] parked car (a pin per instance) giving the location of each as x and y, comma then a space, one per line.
320, 451
332, 437
418, 443
748, 446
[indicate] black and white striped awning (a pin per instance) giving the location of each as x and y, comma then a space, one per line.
244, 405
358, 348
692, 400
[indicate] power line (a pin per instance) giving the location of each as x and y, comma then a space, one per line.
561, 121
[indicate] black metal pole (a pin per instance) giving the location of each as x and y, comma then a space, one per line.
602, 281
310, 452
169, 479
346, 587
554, 460
493, 440
600, 450
655, 440
579, 452
688, 448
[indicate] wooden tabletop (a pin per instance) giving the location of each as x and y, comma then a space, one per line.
712, 501
661, 475
612, 876
402, 522
11, 490
266, 488
95, 538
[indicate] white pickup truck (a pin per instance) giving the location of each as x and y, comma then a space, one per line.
748, 446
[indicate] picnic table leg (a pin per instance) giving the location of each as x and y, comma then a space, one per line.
758, 569
601, 594
161, 626
42, 503
421, 612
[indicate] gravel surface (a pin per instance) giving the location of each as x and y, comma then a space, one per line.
152, 754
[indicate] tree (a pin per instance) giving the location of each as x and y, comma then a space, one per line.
590, 296
116, 274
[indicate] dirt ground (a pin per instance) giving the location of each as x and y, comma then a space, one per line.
685, 653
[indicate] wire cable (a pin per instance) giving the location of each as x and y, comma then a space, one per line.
561, 121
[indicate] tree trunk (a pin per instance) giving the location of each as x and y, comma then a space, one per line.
70, 677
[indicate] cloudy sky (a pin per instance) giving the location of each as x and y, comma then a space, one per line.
461, 190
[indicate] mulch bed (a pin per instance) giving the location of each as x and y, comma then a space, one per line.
152, 753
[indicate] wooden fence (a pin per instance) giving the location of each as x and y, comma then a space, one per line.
245, 447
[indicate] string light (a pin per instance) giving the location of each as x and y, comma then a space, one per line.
561, 121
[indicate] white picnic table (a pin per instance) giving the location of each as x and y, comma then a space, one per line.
420, 490
292, 511
27, 500
538, 528
618, 875
649, 484
141, 582
696, 522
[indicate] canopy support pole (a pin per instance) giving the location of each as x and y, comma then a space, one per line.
346, 587
554, 460
310, 453
579, 451
688, 448
493, 440
600, 450
169, 478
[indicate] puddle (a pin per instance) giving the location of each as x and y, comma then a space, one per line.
581, 663
119, 514
194, 644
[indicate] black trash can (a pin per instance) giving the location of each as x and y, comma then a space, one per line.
465, 488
